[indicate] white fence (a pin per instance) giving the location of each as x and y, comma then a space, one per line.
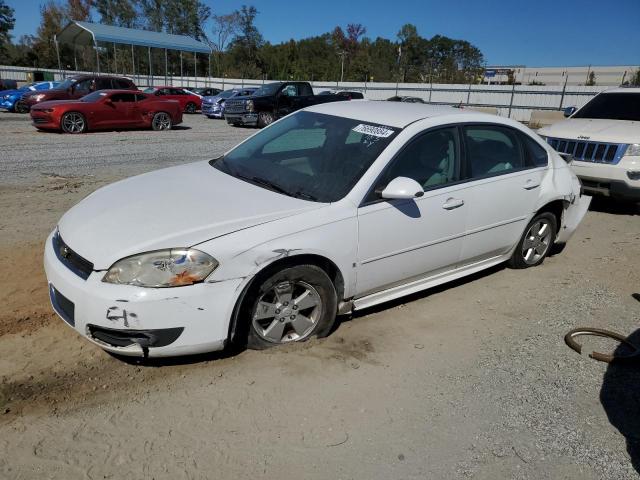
514, 101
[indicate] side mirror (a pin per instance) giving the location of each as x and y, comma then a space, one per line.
402, 188
569, 111
567, 157
108, 101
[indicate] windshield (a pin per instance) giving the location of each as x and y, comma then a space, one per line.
69, 82
93, 97
308, 155
268, 89
612, 106
225, 94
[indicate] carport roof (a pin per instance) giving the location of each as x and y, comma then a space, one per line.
85, 33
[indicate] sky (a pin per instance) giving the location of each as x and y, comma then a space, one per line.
508, 32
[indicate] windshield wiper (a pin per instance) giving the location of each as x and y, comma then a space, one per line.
305, 196
266, 183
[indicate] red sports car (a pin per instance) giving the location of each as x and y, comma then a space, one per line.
189, 101
107, 109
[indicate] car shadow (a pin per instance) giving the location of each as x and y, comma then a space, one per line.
614, 207
620, 398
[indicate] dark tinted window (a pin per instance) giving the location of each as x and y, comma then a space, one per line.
123, 97
122, 83
537, 156
493, 150
612, 106
84, 86
431, 159
140, 97
290, 90
305, 89
177, 91
104, 84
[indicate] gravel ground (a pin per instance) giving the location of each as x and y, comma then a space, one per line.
470, 380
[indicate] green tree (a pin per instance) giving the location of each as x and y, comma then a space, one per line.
7, 22
121, 13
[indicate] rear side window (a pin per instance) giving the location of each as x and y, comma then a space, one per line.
121, 83
103, 84
493, 150
537, 156
305, 90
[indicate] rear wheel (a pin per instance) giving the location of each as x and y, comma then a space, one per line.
73, 122
291, 305
265, 119
191, 108
21, 107
536, 243
161, 121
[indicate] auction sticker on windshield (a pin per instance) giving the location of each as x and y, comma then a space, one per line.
382, 132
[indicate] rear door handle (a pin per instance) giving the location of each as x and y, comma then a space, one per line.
531, 184
452, 203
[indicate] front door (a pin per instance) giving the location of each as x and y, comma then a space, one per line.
404, 240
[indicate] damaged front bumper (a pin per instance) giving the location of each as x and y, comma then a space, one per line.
136, 321
575, 209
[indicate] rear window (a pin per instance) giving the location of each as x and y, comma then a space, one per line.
612, 106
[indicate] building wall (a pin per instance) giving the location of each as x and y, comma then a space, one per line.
604, 75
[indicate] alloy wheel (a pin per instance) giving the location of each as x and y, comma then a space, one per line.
537, 241
161, 121
287, 312
73, 123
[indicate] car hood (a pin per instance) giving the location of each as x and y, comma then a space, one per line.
53, 103
597, 130
13, 92
173, 207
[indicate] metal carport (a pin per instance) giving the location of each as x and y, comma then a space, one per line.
89, 34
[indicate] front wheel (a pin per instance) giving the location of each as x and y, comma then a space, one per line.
536, 243
292, 305
161, 121
73, 122
190, 108
265, 119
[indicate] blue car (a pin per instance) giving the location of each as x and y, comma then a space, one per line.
10, 99
213, 107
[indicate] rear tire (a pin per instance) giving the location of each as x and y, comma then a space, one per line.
291, 305
191, 108
265, 119
536, 242
73, 122
21, 107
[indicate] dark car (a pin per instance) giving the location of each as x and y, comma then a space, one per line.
8, 84
206, 92
348, 94
213, 107
272, 101
405, 99
107, 109
78, 86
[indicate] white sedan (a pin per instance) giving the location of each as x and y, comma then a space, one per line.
334, 208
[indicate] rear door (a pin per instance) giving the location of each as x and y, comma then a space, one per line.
504, 189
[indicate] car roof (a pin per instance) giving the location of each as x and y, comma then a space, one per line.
394, 114
623, 90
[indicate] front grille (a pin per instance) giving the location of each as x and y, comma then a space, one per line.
234, 106
124, 338
589, 151
62, 305
70, 259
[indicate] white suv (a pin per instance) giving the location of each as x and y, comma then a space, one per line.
603, 137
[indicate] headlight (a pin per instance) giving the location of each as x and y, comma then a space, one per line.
249, 105
39, 97
633, 150
162, 268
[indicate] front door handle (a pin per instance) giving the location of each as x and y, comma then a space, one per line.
452, 203
531, 184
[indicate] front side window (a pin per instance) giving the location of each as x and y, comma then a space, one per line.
308, 155
493, 150
268, 89
431, 159
85, 86
290, 91
612, 106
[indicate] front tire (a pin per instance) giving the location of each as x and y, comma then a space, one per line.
191, 108
161, 121
73, 122
291, 305
265, 119
536, 242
